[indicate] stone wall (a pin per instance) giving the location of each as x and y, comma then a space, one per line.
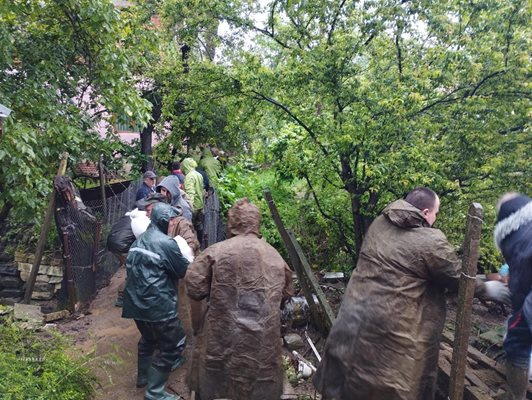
15, 271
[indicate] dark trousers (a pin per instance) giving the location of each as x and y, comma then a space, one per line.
166, 336
197, 221
518, 341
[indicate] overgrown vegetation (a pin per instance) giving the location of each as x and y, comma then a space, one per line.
37, 365
339, 108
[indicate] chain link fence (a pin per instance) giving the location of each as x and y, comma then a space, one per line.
84, 218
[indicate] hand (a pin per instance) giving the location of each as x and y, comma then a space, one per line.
498, 291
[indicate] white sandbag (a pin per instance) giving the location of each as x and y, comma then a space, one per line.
139, 221
185, 248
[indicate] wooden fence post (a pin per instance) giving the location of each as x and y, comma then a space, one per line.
41, 244
324, 318
465, 300
102, 188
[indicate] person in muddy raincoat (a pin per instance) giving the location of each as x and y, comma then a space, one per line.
385, 341
513, 236
154, 264
238, 349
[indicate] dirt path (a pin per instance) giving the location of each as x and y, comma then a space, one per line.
113, 340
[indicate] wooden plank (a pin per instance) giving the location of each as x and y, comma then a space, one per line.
309, 275
295, 262
484, 361
43, 238
465, 300
469, 393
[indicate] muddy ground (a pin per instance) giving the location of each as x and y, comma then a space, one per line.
112, 341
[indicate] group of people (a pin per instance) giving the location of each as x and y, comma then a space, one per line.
385, 341
187, 185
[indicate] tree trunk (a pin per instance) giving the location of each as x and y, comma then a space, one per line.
354, 193
4, 211
147, 133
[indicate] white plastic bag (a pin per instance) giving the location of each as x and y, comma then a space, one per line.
185, 248
139, 221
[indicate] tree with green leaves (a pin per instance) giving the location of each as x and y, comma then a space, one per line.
65, 69
371, 98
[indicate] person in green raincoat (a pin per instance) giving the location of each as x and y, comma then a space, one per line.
154, 264
210, 164
194, 190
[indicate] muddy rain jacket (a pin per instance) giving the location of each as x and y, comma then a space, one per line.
385, 341
238, 350
193, 183
153, 265
210, 164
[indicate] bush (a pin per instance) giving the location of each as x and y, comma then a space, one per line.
36, 366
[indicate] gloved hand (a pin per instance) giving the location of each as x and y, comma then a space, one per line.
498, 291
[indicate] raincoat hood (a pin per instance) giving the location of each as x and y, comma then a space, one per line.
206, 152
243, 218
187, 165
160, 216
405, 215
171, 183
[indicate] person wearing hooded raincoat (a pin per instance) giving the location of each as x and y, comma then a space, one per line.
238, 349
194, 189
171, 184
154, 264
385, 341
513, 236
210, 164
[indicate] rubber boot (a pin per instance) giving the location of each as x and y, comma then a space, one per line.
143, 366
119, 300
156, 383
180, 361
517, 379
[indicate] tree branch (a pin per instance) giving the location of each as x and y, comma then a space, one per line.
255, 28
294, 117
399, 56
335, 20
342, 228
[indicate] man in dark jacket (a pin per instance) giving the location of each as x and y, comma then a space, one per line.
513, 236
154, 264
175, 169
385, 341
148, 185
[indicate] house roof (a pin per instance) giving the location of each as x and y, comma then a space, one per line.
89, 169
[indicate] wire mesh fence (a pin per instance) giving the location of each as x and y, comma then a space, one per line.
86, 221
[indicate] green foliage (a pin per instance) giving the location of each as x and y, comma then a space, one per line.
63, 72
319, 238
364, 101
36, 366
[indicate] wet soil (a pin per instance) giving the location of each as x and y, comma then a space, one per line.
112, 341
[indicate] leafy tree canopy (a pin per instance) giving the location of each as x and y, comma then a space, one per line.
64, 68
366, 100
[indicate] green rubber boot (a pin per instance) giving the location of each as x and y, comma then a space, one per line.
517, 379
143, 366
180, 361
156, 383
119, 300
